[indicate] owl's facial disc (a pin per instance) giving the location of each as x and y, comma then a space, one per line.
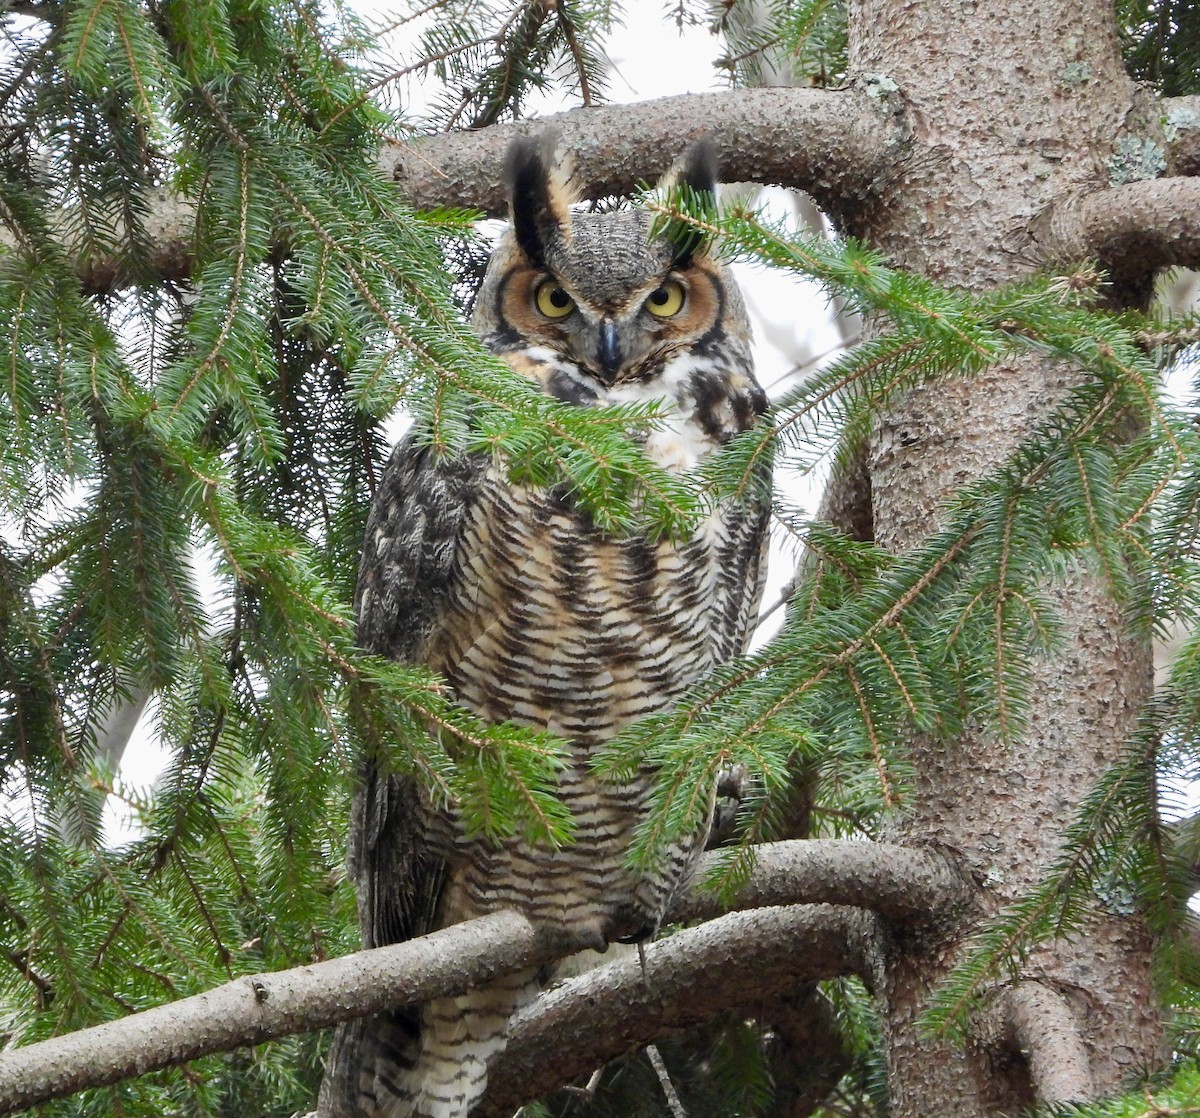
610, 340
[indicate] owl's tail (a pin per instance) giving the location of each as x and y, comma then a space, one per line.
423, 1063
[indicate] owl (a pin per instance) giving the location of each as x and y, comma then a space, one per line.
533, 615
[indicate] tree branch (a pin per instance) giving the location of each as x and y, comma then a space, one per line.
1182, 115
898, 882
1132, 229
834, 145
1044, 1028
250, 1010
738, 961
117, 724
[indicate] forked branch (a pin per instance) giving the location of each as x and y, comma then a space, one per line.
738, 962
256, 1008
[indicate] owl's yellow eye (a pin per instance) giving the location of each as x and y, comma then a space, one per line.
552, 300
666, 301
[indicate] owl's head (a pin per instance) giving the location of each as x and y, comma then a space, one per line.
596, 310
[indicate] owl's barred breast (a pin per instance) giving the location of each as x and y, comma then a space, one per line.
552, 624
555, 625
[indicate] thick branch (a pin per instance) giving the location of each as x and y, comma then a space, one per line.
170, 227
117, 726
1132, 229
1182, 115
738, 961
897, 882
253, 1009
834, 145
1044, 1028
250, 1010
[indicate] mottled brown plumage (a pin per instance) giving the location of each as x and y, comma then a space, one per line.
534, 615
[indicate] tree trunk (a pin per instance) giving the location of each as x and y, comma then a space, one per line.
1011, 106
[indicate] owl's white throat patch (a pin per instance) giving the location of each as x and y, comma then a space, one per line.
678, 442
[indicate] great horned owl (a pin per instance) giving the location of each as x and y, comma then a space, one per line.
534, 615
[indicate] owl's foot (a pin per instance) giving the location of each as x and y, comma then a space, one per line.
732, 785
644, 933
588, 935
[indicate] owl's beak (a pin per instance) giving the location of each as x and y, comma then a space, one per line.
609, 350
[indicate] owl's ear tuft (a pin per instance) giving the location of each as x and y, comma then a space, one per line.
540, 193
692, 179
695, 169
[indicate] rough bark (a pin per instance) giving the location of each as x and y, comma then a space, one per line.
739, 962
899, 883
1013, 107
1182, 117
260, 1007
1133, 229
834, 145
1043, 1027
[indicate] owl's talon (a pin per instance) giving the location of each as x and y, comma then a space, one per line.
645, 932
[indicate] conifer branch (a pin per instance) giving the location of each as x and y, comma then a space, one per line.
839, 145
255, 1008
898, 883
1132, 229
895, 882
735, 962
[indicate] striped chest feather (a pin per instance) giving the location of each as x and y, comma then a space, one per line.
552, 624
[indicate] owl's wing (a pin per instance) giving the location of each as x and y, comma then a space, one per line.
408, 566
412, 537
743, 567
